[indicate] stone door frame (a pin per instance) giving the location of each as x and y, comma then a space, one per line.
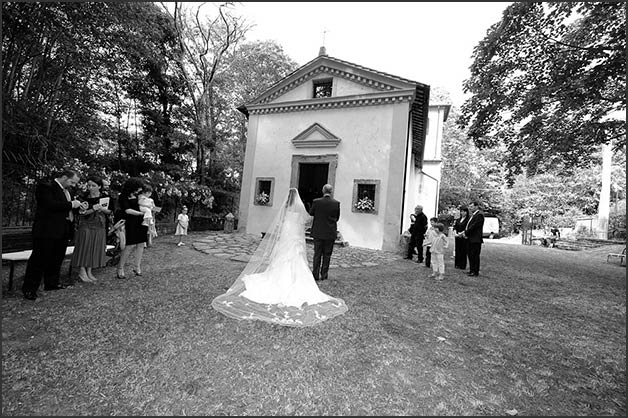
331, 159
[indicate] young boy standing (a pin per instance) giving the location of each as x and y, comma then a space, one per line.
439, 244
427, 243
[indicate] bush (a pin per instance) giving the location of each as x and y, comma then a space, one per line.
617, 226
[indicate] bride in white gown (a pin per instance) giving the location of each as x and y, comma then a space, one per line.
277, 284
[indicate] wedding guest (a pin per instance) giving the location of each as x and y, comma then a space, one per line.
473, 233
90, 241
429, 236
460, 243
52, 229
182, 225
136, 234
438, 245
417, 233
326, 212
555, 236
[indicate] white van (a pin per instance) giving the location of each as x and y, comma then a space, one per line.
491, 227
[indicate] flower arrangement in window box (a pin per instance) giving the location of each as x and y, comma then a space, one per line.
365, 205
262, 199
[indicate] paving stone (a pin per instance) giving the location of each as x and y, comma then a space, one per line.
242, 258
239, 247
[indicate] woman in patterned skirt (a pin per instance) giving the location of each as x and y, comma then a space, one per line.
90, 242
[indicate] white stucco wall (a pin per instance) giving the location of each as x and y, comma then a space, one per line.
363, 153
422, 186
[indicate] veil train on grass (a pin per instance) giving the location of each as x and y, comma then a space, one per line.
277, 285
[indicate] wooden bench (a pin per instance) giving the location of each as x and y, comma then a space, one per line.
21, 256
622, 257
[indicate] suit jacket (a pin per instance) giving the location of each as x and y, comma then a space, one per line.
419, 227
460, 224
326, 212
52, 211
474, 228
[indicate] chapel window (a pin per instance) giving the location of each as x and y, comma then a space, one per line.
365, 196
264, 191
322, 88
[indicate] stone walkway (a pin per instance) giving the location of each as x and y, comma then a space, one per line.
239, 247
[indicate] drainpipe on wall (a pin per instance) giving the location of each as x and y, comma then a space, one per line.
405, 171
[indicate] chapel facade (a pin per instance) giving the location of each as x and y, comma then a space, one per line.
373, 136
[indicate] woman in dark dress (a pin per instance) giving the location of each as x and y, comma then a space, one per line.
136, 233
460, 258
90, 241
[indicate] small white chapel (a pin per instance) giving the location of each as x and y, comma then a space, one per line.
373, 136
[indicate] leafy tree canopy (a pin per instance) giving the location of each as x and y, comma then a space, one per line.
548, 82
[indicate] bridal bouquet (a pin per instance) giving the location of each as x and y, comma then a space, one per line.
365, 205
262, 198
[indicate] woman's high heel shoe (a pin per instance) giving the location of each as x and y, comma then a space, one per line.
137, 273
120, 276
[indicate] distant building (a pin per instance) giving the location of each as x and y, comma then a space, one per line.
367, 133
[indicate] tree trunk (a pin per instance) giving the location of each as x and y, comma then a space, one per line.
605, 194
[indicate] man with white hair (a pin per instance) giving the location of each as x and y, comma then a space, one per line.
418, 227
326, 212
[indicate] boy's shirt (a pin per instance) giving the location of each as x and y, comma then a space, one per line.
429, 236
439, 243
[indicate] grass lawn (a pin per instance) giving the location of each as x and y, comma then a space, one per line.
540, 332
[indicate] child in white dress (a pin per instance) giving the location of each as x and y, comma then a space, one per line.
147, 204
182, 225
148, 208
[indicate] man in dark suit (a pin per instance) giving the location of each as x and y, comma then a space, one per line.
52, 229
417, 233
326, 212
473, 234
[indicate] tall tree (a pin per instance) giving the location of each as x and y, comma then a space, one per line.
51, 54
204, 42
548, 81
67, 69
252, 68
469, 173
157, 88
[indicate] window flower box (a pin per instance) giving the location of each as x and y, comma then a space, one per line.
262, 199
365, 205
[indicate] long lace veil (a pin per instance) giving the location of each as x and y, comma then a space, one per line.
235, 306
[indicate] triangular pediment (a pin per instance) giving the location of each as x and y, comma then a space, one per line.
355, 80
294, 93
316, 136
